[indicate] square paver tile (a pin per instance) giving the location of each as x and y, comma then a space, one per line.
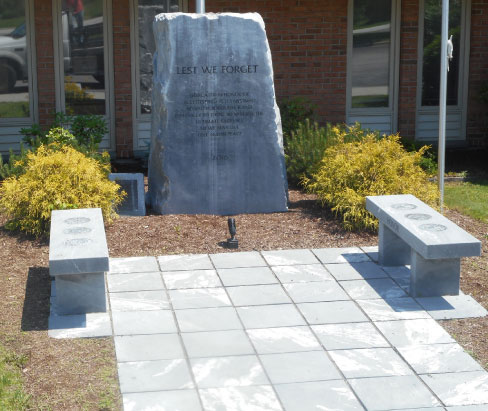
372, 252
452, 306
217, 343
258, 295
356, 271
239, 259
135, 282
341, 255
482, 407
208, 319
191, 279
133, 265
438, 358
267, 316
373, 289
370, 362
299, 367
414, 332
283, 339
391, 393
332, 312
319, 395
302, 273
316, 292
139, 301
246, 276
347, 336
143, 322
199, 298
218, 372
181, 400
289, 257
158, 375
148, 347
393, 309
398, 272
460, 388
255, 398
80, 326
185, 262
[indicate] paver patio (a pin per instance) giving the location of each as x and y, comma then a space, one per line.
291, 330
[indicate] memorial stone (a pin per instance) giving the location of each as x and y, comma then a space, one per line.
216, 143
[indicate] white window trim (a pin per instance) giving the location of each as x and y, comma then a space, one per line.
30, 41
393, 86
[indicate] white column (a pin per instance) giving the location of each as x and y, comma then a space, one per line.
200, 6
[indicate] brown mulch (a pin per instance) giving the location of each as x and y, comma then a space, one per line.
81, 374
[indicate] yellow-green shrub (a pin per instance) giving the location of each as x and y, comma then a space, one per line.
350, 171
56, 178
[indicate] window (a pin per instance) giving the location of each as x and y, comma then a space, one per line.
371, 45
146, 10
15, 62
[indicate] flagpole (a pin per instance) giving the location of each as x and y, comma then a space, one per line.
443, 100
200, 6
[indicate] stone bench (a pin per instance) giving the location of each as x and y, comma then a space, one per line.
411, 232
78, 259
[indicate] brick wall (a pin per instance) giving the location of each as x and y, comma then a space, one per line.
477, 118
122, 79
408, 68
308, 45
43, 20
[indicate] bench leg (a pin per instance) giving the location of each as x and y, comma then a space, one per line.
80, 293
392, 250
433, 278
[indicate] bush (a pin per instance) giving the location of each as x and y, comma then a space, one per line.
294, 111
350, 171
56, 178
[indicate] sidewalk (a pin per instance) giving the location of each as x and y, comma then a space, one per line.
295, 330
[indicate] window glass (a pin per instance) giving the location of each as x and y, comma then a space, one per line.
147, 9
14, 70
371, 53
431, 59
83, 56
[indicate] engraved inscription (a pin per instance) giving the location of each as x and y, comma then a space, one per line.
73, 242
392, 224
77, 220
433, 227
404, 206
418, 216
77, 230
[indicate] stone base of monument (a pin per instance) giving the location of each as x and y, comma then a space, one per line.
133, 185
78, 259
217, 145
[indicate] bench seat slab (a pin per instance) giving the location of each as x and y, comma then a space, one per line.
80, 293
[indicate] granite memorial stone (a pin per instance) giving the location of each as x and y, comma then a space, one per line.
216, 143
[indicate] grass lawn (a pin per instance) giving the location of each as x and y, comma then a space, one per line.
468, 198
18, 109
12, 395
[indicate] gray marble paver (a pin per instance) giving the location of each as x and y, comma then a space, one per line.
237, 371
299, 367
191, 279
348, 336
269, 316
301, 273
233, 331
181, 400
289, 257
318, 395
372, 252
246, 276
135, 282
208, 319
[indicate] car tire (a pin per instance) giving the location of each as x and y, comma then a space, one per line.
8, 76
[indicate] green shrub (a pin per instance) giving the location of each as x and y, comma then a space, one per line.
56, 178
350, 171
294, 111
428, 162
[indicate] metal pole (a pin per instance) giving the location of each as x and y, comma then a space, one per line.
200, 6
443, 99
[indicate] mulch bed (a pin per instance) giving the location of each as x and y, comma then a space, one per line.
81, 374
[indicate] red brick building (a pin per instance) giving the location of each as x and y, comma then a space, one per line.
372, 61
